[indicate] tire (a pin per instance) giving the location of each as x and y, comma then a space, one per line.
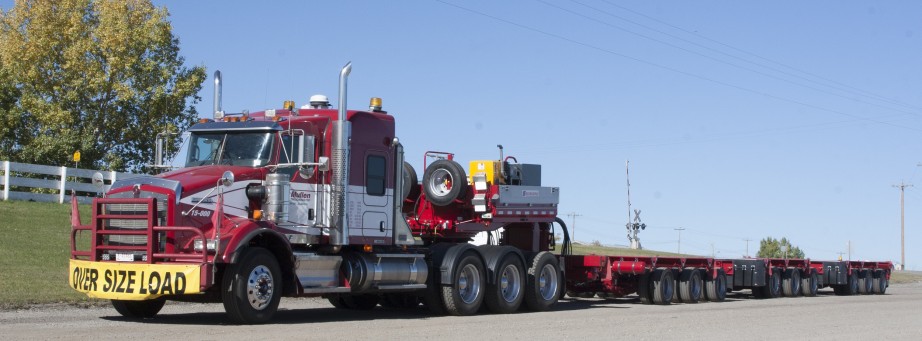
507, 291
772, 288
464, 295
443, 182
852, 288
880, 282
715, 289
645, 289
809, 285
138, 309
542, 282
865, 282
790, 283
690, 286
410, 182
252, 288
663, 286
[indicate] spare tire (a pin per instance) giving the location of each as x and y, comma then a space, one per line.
443, 182
410, 182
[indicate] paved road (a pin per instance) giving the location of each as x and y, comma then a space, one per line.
895, 316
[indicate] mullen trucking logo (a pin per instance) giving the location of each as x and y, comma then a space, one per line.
133, 281
300, 195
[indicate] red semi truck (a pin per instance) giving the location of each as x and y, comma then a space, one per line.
318, 201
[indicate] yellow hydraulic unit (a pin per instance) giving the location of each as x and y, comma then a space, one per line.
490, 168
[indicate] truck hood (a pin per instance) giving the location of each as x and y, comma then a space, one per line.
195, 179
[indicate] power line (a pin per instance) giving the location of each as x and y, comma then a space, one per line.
573, 216
711, 57
695, 34
686, 73
680, 229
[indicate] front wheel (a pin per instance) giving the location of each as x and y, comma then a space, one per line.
542, 287
252, 287
138, 309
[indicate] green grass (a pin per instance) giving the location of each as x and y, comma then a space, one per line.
34, 253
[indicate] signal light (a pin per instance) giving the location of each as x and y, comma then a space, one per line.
367, 248
257, 214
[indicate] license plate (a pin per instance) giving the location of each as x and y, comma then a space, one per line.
124, 257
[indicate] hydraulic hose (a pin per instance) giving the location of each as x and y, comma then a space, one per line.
567, 249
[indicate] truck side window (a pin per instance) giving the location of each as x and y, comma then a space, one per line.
375, 169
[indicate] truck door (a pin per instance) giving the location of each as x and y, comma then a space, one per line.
376, 197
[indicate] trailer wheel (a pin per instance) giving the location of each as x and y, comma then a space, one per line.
880, 282
690, 286
716, 288
663, 286
252, 287
791, 283
443, 182
465, 293
507, 291
865, 282
772, 289
542, 288
852, 288
138, 309
410, 182
645, 289
809, 284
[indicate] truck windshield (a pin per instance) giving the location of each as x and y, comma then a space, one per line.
250, 149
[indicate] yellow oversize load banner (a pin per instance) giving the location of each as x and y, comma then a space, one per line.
131, 281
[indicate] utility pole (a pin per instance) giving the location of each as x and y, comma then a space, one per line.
849, 250
747, 246
902, 186
680, 229
573, 215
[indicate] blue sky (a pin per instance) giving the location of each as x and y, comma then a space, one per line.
741, 120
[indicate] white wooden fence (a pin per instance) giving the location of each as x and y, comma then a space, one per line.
59, 179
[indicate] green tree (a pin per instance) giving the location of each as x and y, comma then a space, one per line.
773, 248
102, 77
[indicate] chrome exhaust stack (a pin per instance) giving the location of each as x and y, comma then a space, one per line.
339, 227
218, 113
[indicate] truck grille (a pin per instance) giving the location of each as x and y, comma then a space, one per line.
134, 224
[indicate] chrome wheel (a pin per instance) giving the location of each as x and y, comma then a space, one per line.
440, 182
547, 282
510, 283
469, 284
260, 287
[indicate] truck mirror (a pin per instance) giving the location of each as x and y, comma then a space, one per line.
98, 180
227, 179
324, 163
307, 155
